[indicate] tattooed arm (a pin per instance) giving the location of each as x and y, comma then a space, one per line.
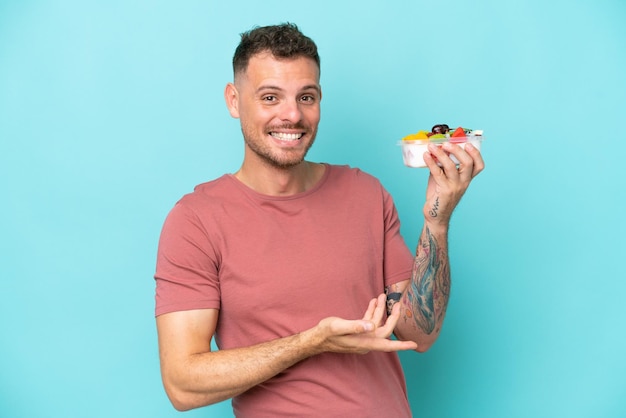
423, 298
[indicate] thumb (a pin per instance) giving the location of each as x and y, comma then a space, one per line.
358, 326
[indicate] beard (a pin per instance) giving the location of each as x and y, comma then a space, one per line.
277, 158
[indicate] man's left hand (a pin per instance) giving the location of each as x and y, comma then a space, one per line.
448, 181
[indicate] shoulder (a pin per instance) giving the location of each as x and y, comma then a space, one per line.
353, 175
208, 193
205, 202
355, 184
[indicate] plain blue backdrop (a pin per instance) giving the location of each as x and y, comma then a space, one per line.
111, 111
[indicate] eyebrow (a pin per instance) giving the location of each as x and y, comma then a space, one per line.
315, 87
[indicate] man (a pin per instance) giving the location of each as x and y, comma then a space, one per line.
297, 268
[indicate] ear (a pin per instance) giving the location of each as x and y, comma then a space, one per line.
231, 95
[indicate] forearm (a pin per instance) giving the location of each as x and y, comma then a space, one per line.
210, 377
425, 299
194, 376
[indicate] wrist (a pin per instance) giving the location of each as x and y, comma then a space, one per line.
312, 340
437, 228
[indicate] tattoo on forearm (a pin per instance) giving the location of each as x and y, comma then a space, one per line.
435, 208
429, 289
392, 298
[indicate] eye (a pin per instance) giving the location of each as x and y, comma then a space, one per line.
269, 98
308, 98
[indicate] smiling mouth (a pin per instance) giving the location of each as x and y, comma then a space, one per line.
286, 136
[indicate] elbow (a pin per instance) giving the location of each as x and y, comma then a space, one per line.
184, 400
179, 399
425, 344
422, 348
424, 341
181, 406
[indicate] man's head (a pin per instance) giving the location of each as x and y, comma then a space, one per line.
276, 95
284, 41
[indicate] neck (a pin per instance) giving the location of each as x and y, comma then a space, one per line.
274, 181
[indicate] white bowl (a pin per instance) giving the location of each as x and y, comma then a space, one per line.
413, 151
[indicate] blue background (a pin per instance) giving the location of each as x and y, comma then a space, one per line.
111, 111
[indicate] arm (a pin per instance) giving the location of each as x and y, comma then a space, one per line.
194, 376
424, 297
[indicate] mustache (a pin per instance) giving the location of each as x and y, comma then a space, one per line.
292, 126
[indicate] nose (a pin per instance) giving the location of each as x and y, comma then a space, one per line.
290, 111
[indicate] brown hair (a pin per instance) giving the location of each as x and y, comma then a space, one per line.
282, 41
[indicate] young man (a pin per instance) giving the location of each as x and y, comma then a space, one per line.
298, 268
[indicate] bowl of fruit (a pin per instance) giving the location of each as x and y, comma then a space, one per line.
415, 145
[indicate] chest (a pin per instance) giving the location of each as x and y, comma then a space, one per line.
287, 267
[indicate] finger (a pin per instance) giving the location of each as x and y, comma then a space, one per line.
379, 311
369, 313
465, 167
340, 326
391, 345
479, 163
433, 165
442, 161
387, 329
463, 158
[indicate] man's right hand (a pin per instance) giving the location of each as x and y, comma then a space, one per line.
370, 333
194, 376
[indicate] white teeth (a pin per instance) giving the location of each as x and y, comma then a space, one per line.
285, 136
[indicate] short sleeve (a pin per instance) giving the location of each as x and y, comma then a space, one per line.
186, 269
398, 259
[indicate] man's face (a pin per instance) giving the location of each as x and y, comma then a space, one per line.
278, 104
